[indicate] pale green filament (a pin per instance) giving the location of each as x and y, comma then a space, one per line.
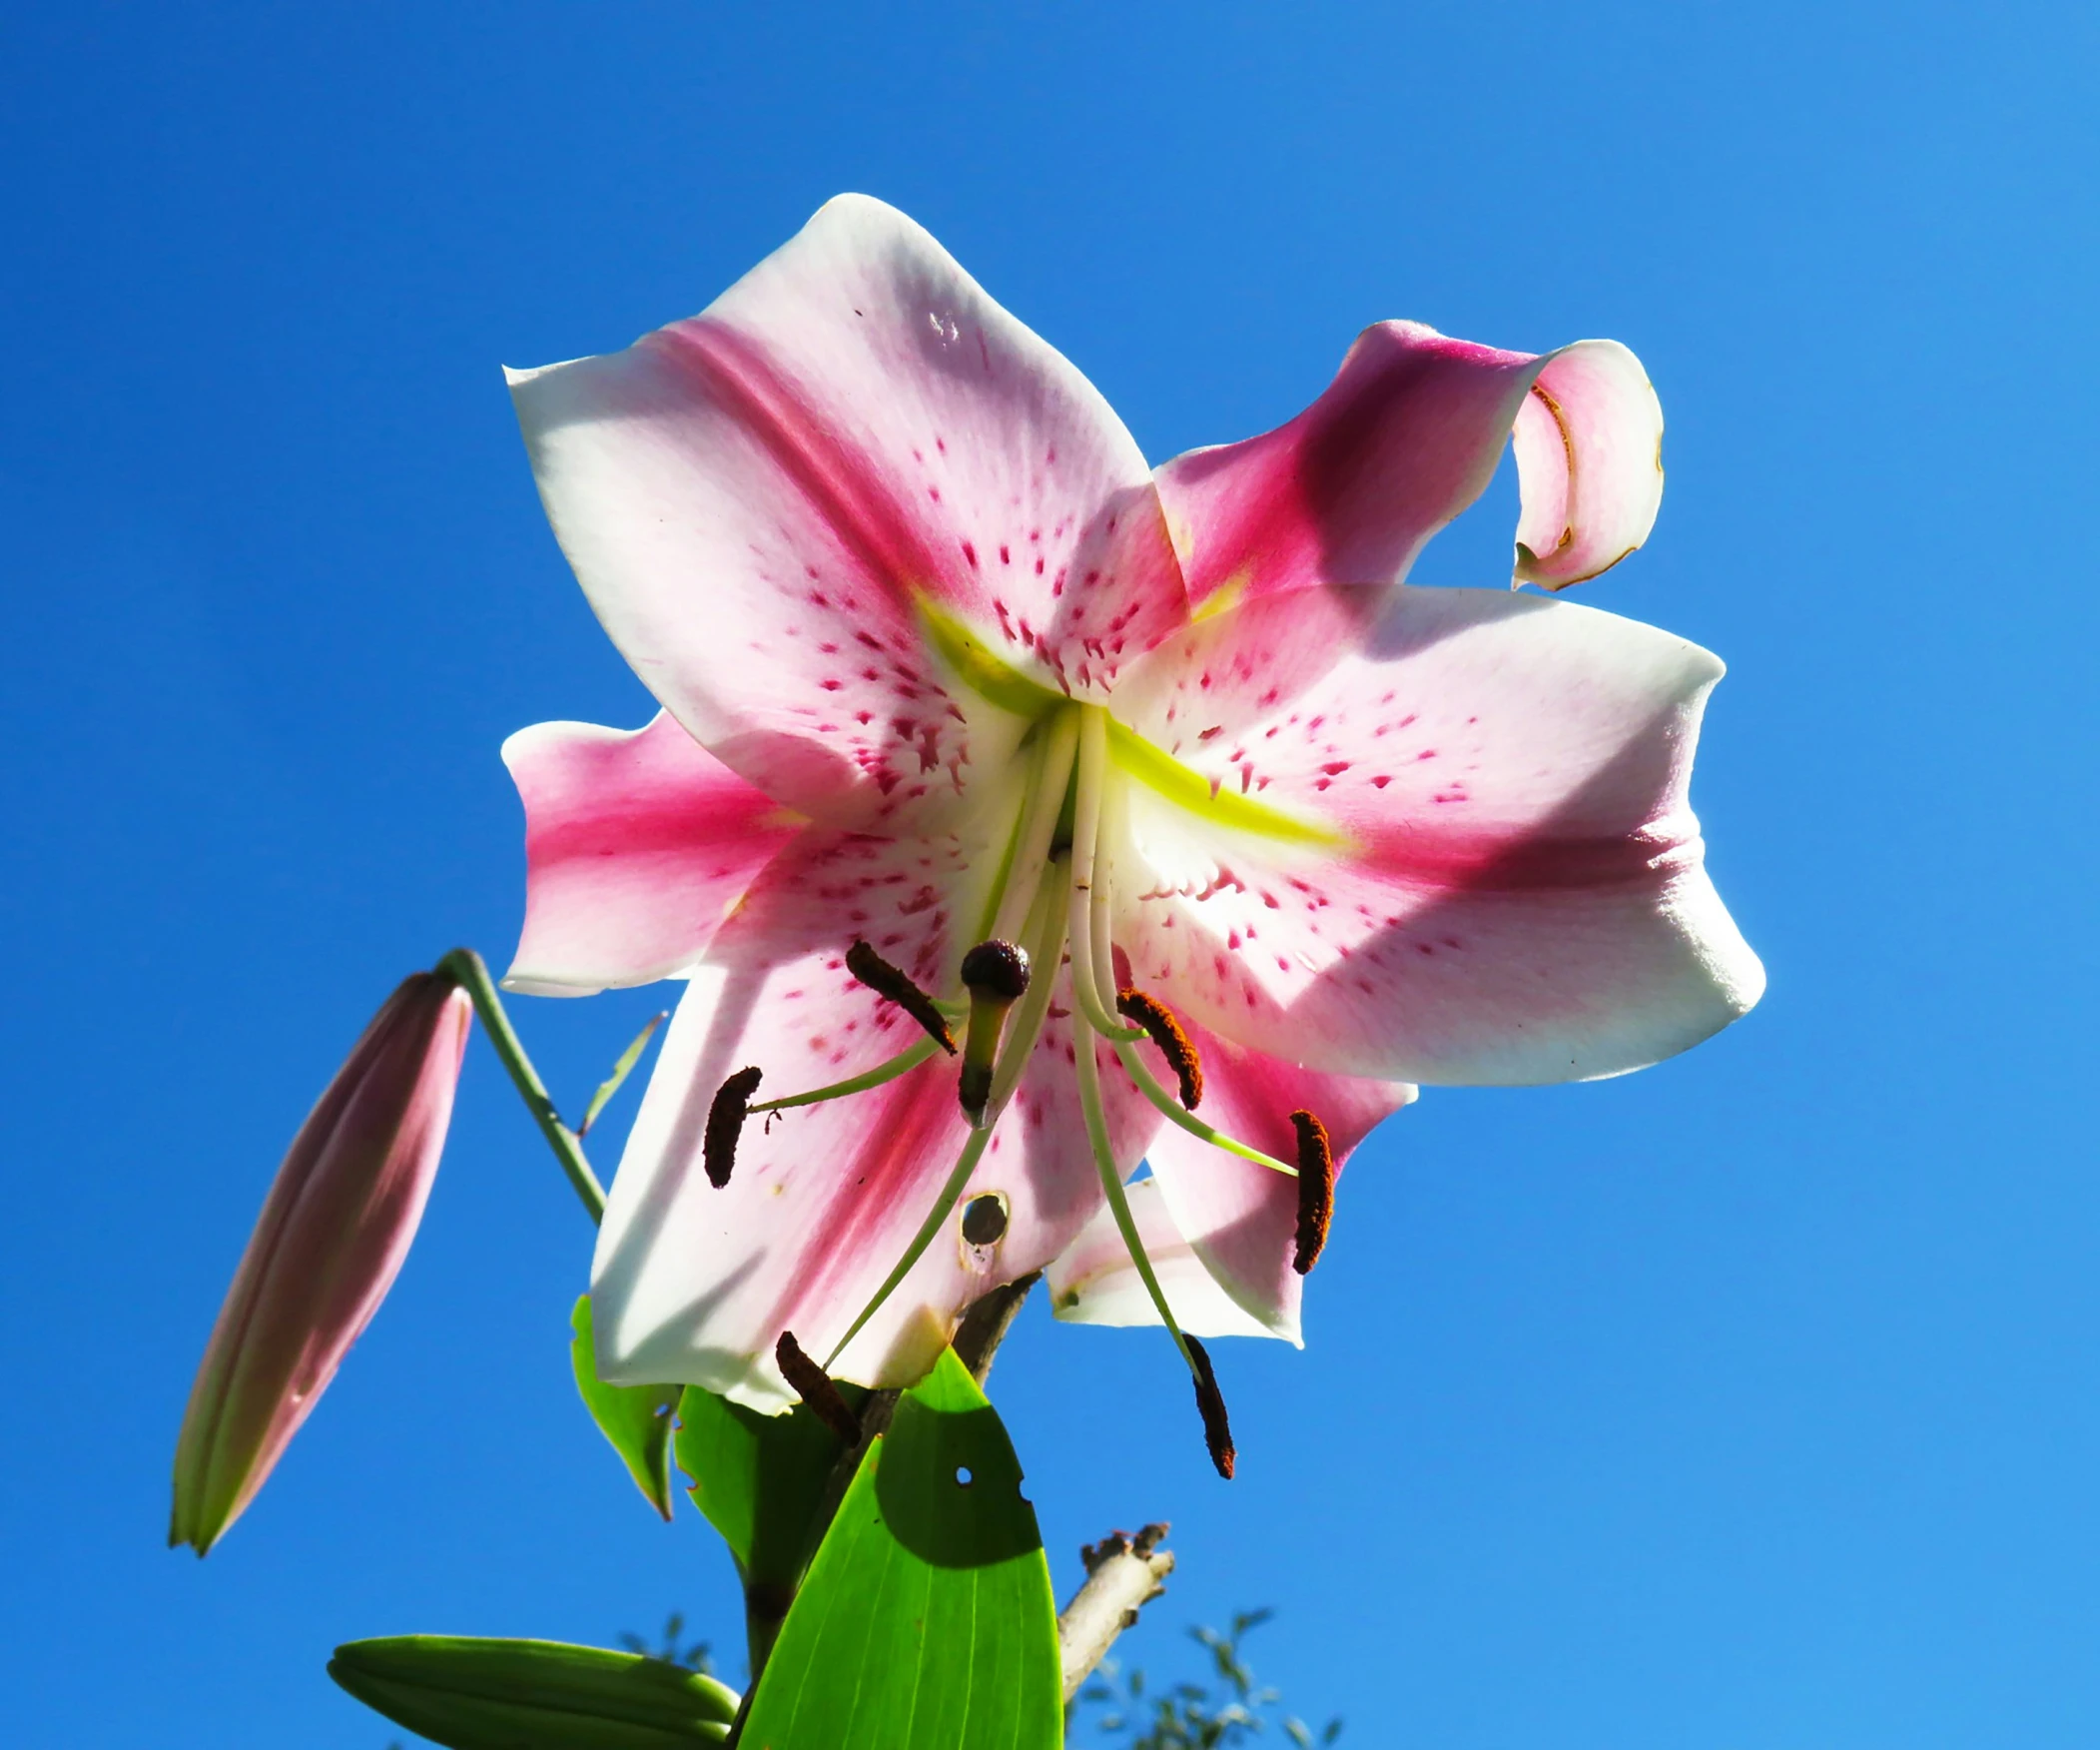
1086, 841
959, 1176
1148, 1085
1118, 1203
1046, 946
1005, 1076
908, 1059
1039, 822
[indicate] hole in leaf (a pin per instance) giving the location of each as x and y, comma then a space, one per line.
963, 1477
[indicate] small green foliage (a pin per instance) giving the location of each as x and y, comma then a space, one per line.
698, 1656
636, 1419
926, 1619
1230, 1710
620, 1071
474, 1695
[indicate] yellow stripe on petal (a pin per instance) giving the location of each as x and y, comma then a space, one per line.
972, 662
1166, 777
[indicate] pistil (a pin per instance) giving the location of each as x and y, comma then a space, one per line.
995, 974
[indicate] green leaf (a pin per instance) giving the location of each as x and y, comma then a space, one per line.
612, 1084
636, 1419
761, 1481
472, 1694
925, 1621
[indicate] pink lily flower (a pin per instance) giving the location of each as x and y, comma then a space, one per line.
334, 1230
944, 661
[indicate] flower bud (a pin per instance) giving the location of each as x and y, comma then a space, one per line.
331, 1235
456, 1690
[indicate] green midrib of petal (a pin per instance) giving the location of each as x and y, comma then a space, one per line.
1166, 777
1000, 683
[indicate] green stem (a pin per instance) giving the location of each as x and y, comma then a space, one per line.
468, 967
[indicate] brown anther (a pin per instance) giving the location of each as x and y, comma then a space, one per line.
1315, 1189
1217, 1431
895, 984
998, 970
725, 1123
1165, 1032
817, 1389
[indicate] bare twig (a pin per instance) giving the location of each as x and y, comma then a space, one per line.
1123, 1575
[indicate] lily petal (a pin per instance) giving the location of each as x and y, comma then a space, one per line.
1405, 438
762, 502
1515, 891
637, 844
1241, 1219
1093, 1281
693, 1284
1589, 444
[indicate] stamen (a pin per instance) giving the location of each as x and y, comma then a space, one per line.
1089, 986
887, 1070
1014, 1054
1158, 1020
725, 1123
1210, 1402
817, 1389
1148, 1085
1038, 825
895, 984
995, 974
1046, 949
1315, 1189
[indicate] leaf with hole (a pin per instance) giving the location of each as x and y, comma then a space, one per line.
925, 1621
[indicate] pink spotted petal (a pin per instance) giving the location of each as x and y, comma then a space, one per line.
1589, 444
1405, 438
1518, 893
637, 844
757, 499
1093, 1281
1241, 1219
696, 1284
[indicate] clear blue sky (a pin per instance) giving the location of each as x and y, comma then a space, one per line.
1748, 1402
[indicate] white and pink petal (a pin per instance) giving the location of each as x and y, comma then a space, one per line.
1406, 437
760, 502
637, 844
1517, 891
1094, 1281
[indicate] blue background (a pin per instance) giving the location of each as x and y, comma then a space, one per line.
1747, 1401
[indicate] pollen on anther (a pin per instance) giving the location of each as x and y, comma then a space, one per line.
816, 1389
725, 1123
893, 984
1210, 1405
1315, 1190
1165, 1032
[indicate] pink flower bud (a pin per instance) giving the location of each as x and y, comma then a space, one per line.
333, 1233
